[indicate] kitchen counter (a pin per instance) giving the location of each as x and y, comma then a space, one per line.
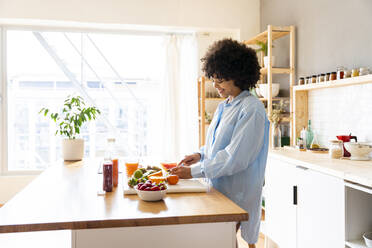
65, 197
359, 172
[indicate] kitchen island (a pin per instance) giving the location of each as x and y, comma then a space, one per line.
64, 197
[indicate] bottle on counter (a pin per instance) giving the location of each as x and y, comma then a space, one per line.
309, 135
115, 161
303, 135
107, 167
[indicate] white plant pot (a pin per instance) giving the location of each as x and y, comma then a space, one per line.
72, 149
266, 61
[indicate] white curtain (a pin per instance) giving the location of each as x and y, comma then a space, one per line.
178, 121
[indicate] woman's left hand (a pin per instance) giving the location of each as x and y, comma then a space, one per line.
183, 172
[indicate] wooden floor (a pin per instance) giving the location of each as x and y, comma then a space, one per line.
243, 244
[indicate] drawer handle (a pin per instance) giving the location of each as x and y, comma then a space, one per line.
301, 167
294, 195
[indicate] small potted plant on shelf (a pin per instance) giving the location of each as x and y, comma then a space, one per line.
276, 117
263, 48
69, 121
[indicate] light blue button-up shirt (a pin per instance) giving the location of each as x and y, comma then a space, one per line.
235, 155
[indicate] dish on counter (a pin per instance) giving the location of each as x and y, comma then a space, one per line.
318, 150
151, 191
358, 150
368, 239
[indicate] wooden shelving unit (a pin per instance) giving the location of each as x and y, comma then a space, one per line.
300, 99
269, 35
202, 99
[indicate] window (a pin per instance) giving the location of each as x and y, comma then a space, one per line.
35, 80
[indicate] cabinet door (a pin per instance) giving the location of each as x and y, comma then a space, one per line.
320, 210
280, 212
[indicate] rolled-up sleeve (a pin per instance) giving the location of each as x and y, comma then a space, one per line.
246, 143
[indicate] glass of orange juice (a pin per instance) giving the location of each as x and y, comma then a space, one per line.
131, 165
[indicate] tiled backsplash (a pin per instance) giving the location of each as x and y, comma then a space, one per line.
341, 111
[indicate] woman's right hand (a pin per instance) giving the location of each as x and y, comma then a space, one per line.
190, 159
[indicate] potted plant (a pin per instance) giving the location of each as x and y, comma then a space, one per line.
69, 121
263, 48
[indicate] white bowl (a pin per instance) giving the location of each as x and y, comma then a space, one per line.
151, 195
358, 151
263, 90
368, 239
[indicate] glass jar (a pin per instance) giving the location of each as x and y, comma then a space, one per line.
328, 75
333, 76
324, 77
320, 78
363, 71
354, 73
347, 73
307, 80
276, 136
313, 79
301, 81
336, 149
340, 72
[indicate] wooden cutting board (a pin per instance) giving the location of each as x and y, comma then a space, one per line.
183, 186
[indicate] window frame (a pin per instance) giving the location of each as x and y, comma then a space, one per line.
4, 171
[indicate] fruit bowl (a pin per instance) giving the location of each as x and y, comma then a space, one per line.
151, 193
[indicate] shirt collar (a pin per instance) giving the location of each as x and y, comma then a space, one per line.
237, 99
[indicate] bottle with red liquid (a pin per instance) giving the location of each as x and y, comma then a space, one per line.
107, 175
110, 169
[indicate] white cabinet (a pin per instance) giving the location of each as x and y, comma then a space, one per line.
280, 211
320, 210
304, 208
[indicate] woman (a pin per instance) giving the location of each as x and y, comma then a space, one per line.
235, 153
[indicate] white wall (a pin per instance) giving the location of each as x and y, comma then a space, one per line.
217, 14
341, 111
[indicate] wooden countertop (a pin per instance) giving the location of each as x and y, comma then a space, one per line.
65, 197
359, 172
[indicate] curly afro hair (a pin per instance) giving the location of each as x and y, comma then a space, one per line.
230, 60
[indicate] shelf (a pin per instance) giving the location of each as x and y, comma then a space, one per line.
336, 83
273, 99
277, 32
214, 98
276, 70
356, 244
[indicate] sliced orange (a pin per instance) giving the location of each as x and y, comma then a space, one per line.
157, 180
157, 174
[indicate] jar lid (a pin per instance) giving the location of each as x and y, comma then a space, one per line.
328, 73
334, 72
302, 78
323, 74
335, 141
